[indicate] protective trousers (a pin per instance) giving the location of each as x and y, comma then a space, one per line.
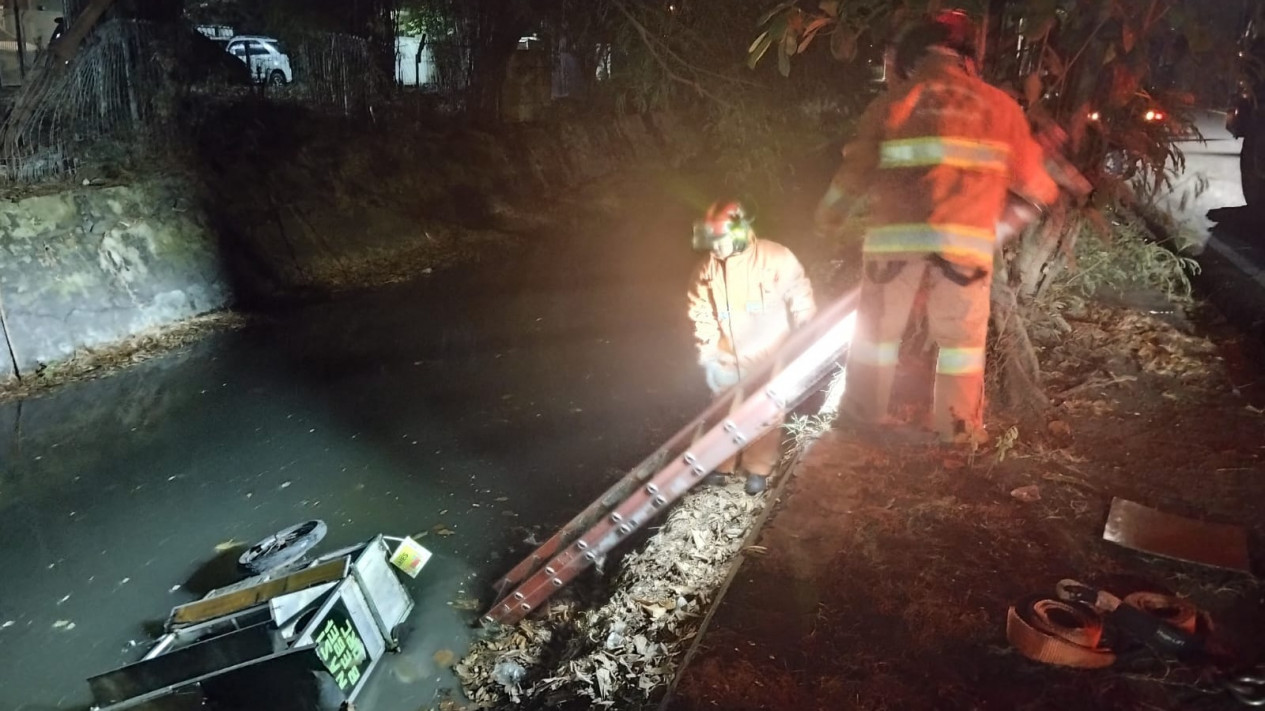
957, 321
761, 456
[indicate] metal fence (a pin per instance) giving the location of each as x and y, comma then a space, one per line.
131, 81
114, 87
128, 83
332, 72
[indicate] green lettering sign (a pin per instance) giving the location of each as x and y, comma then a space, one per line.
340, 648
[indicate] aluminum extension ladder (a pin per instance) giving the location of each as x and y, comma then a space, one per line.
746, 412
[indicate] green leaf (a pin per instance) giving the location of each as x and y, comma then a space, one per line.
1200, 39
789, 42
784, 64
830, 7
763, 36
757, 53
769, 15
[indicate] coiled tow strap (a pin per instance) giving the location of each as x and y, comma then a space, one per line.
1067, 630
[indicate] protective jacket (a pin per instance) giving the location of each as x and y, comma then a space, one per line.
743, 307
937, 155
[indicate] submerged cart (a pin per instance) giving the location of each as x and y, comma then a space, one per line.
302, 633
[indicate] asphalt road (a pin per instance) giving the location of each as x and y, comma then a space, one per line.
1207, 199
476, 407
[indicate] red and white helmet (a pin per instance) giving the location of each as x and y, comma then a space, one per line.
951, 29
725, 218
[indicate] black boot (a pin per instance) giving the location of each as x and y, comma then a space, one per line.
756, 484
716, 479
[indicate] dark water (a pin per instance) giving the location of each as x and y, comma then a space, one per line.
492, 401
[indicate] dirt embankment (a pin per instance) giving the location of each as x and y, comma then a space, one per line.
888, 572
307, 202
289, 203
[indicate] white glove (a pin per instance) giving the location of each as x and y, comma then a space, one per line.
721, 374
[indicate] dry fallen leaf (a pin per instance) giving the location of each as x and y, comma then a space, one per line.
467, 604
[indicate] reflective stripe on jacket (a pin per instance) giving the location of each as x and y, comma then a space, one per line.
745, 306
937, 155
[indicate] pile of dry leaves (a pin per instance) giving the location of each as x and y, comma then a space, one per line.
622, 653
1111, 346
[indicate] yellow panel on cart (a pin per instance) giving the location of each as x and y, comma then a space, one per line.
228, 603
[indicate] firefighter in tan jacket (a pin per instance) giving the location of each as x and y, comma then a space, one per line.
745, 300
947, 162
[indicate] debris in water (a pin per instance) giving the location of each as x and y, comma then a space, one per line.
444, 658
284, 485
64, 599
6, 625
174, 588
63, 625
466, 603
228, 545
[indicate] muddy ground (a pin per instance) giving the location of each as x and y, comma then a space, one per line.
888, 572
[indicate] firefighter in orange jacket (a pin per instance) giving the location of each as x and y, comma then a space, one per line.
947, 161
745, 300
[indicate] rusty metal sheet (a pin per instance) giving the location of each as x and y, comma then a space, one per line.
1144, 529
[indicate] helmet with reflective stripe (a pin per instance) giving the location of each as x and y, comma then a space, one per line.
725, 218
952, 29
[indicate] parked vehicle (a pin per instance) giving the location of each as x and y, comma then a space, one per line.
264, 57
1246, 117
1131, 133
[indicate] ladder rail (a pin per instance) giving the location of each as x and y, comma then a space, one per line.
809, 355
665, 488
617, 493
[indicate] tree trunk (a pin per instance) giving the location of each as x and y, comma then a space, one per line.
1018, 373
1038, 258
489, 65
1039, 250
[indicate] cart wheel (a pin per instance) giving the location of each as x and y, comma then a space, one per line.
284, 546
399, 634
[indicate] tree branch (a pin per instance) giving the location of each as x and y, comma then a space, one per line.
651, 44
